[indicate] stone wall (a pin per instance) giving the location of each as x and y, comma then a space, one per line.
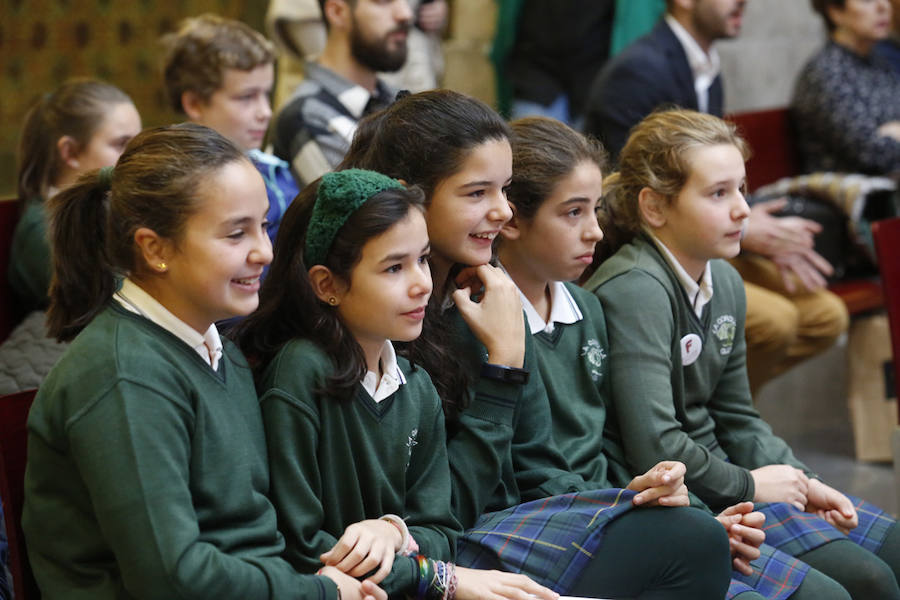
759, 67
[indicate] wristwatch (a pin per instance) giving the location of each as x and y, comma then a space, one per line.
504, 373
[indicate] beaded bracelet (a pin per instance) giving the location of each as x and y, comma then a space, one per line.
437, 579
424, 576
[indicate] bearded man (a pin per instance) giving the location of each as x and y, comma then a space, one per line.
314, 129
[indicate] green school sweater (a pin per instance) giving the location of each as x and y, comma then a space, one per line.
147, 474
700, 413
502, 451
574, 365
336, 463
29, 268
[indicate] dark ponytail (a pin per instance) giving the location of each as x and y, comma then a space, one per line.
92, 223
82, 273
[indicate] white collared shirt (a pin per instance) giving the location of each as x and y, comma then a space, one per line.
391, 379
705, 67
563, 309
698, 293
208, 345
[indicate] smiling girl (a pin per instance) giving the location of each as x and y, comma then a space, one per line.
147, 473
675, 319
542, 519
360, 477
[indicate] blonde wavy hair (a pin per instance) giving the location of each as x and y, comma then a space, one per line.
656, 156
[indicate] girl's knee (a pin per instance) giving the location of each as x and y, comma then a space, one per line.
706, 534
860, 572
818, 586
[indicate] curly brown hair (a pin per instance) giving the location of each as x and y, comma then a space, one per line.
197, 54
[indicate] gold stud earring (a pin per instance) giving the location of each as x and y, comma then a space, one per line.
332, 301
161, 266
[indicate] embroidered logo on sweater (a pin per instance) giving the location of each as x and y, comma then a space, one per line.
723, 330
595, 355
410, 442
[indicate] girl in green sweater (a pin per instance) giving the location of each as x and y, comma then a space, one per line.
360, 478
147, 474
523, 507
82, 125
677, 357
555, 192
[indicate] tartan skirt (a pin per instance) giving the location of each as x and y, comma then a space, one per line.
551, 540
791, 532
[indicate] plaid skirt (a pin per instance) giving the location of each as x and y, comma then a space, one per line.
791, 532
775, 576
551, 540
795, 532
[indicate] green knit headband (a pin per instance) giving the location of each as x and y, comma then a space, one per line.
339, 195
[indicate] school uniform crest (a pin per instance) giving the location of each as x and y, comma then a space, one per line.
410, 442
724, 330
595, 355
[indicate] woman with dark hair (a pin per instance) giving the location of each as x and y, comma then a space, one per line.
845, 108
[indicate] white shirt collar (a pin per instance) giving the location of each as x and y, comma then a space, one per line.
208, 345
705, 67
563, 309
699, 293
391, 379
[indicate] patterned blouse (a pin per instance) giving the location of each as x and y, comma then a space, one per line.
839, 102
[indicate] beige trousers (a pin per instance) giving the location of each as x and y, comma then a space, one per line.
782, 327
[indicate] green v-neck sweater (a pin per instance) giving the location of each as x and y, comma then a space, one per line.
671, 401
574, 366
336, 462
147, 474
501, 450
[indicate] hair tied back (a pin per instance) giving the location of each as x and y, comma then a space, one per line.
104, 176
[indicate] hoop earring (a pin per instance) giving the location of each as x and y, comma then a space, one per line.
332, 301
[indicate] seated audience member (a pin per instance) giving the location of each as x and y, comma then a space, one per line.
790, 314
220, 74
84, 124
845, 108
506, 469
296, 26
147, 474
354, 253
889, 48
677, 378
313, 130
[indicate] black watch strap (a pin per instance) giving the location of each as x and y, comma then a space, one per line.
504, 373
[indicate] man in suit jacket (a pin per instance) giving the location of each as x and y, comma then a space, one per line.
790, 314
675, 64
